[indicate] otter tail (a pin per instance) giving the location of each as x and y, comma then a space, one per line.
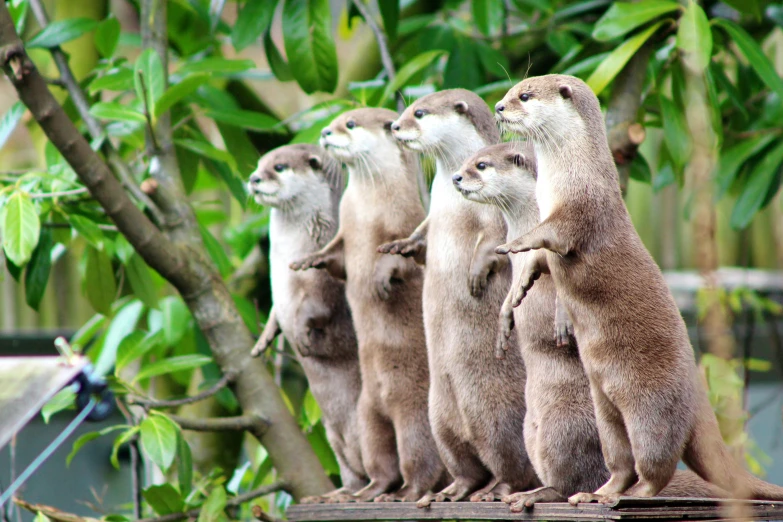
708, 456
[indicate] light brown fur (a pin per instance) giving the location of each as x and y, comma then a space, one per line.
651, 405
303, 185
476, 402
560, 428
381, 202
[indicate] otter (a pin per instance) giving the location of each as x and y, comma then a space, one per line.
381, 202
479, 431
651, 404
303, 186
561, 436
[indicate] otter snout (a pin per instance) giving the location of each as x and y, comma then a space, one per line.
395, 126
255, 179
456, 178
499, 107
326, 131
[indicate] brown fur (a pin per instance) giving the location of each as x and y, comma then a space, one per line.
650, 402
380, 203
310, 308
476, 402
561, 436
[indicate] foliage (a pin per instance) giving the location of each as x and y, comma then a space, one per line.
144, 331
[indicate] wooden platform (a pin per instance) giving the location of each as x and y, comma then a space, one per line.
624, 509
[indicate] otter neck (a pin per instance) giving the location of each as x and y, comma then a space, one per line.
385, 173
521, 214
453, 150
312, 218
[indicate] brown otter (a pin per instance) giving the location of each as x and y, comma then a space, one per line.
560, 429
382, 202
650, 402
479, 431
303, 186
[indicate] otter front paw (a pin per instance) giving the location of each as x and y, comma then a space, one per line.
564, 328
520, 244
311, 261
382, 288
263, 343
408, 247
478, 280
505, 330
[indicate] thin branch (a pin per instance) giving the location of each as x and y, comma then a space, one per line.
107, 228
136, 462
252, 423
263, 516
152, 403
148, 110
69, 82
232, 502
63, 194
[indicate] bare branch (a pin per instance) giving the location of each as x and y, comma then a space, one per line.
152, 403
255, 424
262, 515
49, 224
63, 194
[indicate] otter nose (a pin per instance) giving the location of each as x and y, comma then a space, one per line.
326, 132
255, 179
395, 126
499, 107
456, 178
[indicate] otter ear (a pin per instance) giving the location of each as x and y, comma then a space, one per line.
517, 159
565, 91
461, 107
387, 125
314, 162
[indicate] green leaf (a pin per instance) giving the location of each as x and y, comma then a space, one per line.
115, 111
177, 92
640, 169
120, 79
207, 150
487, 15
63, 400
107, 36
135, 345
754, 54
184, 466
10, 120
18, 11
172, 364
122, 325
88, 229
623, 17
61, 31
614, 63
176, 317
675, 131
277, 63
212, 509
216, 251
750, 7
37, 273
141, 281
390, 13
216, 66
254, 19
124, 437
462, 65
491, 59
694, 38
87, 437
309, 45
159, 440
256, 121
311, 408
228, 175
21, 228
755, 191
164, 499
99, 280
87, 332
149, 67
320, 444
409, 70
733, 158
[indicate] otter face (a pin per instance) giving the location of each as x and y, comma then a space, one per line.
288, 173
503, 172
538, 107
359, 133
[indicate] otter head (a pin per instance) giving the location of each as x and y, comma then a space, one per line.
500, 174
360, 136
549, 108
291, 173
445, 119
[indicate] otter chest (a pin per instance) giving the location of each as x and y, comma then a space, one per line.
544, 186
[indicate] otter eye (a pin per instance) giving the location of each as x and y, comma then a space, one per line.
351, 124
419, 114
481, 165
279, 167
524, 96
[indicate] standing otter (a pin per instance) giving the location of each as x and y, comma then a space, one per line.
382, 202
303, 185
478, 430
650, 402
561, 436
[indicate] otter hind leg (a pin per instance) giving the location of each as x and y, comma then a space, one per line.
420, 462
377, 440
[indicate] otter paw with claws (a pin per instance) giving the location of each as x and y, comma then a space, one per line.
408, 247
313, 261
263, 343
586, 498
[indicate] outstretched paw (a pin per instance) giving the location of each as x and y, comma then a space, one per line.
312, 261
513, 247
408, 247
586, 498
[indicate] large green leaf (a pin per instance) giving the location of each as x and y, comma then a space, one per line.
122, 325
63, 400
694, 38
159, 439
752, 51
120, 79
733, 158
277, 63
756, 188
216, 251
172, 364
675, 131
164, 499
141, 282
99, 282
229, 176
254, 19
115, 111
88, 229
617, 59
149, 68
10, 120
179, 91
87, 437
37, 274
216, 66
309, 45
409, 70
487, 15
21, 228
207, 150
176, 319
390, 12
624, 17
133, 346
61, 31
256, 121
184, 465
107, 36
212, 509
123, 438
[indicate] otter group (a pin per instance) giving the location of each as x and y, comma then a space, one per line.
440, 377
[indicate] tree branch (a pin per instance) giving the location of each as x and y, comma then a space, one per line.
255, 424
63, 194
48, 224
152, 403
260, 514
